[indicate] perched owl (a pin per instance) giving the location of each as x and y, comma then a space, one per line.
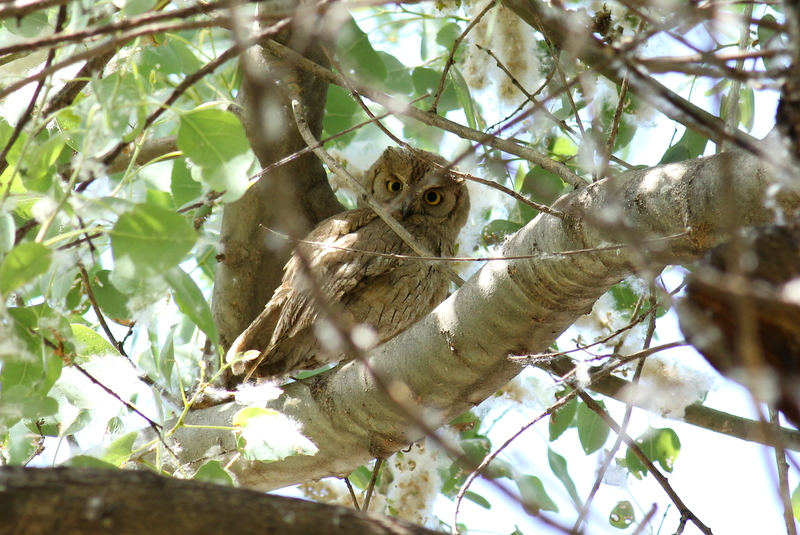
388, 294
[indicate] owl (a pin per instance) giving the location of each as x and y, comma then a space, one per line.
356, 277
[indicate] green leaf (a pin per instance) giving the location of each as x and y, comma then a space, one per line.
23, 264
563, 418
558, 465
398, 76
184, 188
266, 435
467, 424
796, 502
625, 298
215, 141
191, 301
166, 357
169, 57
499, 468
85, 461
232, 177
688, 147
122, 101
658, 445
622, 515
118, 452
213, 472
448, 34
356, 54
427, 81
747, 107
564, 148
149, 241
39, 174
91, 343
592, 430
29, 25
211, 137
340, 113
543, 186
476, 449
477, 498
110, 300
533, 495
464, 96
361, 476
20, 401
770, 39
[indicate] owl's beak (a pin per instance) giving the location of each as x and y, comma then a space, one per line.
401, 208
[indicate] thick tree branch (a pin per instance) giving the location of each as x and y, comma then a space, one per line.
508, 308
123, 502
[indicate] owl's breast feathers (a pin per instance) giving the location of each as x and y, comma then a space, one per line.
386, 292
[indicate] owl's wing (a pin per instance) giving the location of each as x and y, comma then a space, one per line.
337, 270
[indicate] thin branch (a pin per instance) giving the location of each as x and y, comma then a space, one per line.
21, 8
451, 57
349, 486
511, 193
574, 252
783, 476
99, 313
646, 520
128, 23
626, 419
27, 115
636, 450
491, 456
431, 119
188, 82
371, 486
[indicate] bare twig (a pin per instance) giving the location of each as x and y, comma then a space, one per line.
371, 486
624, 427
28, 113
352, 493
99, 313
783, 476
431, 119
637, 451
491, 456
451, 57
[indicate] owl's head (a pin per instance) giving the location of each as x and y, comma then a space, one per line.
413, 185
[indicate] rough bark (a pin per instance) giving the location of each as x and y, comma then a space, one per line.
68, 501
510, 307
292, 197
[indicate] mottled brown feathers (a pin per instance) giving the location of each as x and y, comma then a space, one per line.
388, 294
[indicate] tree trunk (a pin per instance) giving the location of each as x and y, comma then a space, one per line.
66, 501
291, 198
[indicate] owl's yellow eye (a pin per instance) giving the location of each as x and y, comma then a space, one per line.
433, 197
394, 185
